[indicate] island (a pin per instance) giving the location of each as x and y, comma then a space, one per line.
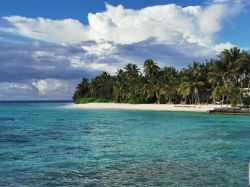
222, 82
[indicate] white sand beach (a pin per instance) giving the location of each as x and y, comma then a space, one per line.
150, 107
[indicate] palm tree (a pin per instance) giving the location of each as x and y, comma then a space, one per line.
217, 93
229, 60
233, 65
232, 92
151, 70
102, 86
132, 70
82, 89
244, 67
120, 87
192, 82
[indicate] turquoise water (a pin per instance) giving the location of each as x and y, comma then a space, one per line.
47, 144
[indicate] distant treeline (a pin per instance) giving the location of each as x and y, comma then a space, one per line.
217, 80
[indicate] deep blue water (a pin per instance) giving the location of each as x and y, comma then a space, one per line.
46, 144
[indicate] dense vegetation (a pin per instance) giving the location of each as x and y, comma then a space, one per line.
220, 79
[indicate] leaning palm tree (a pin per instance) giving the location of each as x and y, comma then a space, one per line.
171, 93
184, 91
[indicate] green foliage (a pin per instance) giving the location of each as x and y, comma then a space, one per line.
151, 70
246, 101
234, 103
220, 79
217, 94
136, 99
84, 100
82, 89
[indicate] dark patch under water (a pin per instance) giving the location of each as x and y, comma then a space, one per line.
3, 119
15, 139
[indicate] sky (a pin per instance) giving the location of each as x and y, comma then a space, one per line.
46, 46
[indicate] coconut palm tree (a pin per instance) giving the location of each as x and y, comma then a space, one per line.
151, 70
102, 86
121, 87
244, 68
131, 70
82, 89
192, 83
230, 60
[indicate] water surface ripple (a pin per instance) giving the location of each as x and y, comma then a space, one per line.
50, 145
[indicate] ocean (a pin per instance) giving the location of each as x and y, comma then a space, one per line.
49, 144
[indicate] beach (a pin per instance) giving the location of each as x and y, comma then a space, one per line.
148, 107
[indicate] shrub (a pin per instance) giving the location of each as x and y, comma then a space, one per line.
84, 100
135, 99
246, 101
102, 100
234, 103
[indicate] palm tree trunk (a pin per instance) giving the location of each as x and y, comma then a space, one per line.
248, 85
157, 97
241, 83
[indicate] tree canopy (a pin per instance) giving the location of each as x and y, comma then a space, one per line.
220, 79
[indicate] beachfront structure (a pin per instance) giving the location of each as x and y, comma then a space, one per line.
246, 92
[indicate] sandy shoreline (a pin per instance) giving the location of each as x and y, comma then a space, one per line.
149, 107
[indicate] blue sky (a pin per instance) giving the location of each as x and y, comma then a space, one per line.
47, 46
78, 9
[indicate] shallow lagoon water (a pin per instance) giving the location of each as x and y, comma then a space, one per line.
47, 144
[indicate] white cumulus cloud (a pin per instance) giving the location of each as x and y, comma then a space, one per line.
57, 31
220, 47
50, 85
170, 23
